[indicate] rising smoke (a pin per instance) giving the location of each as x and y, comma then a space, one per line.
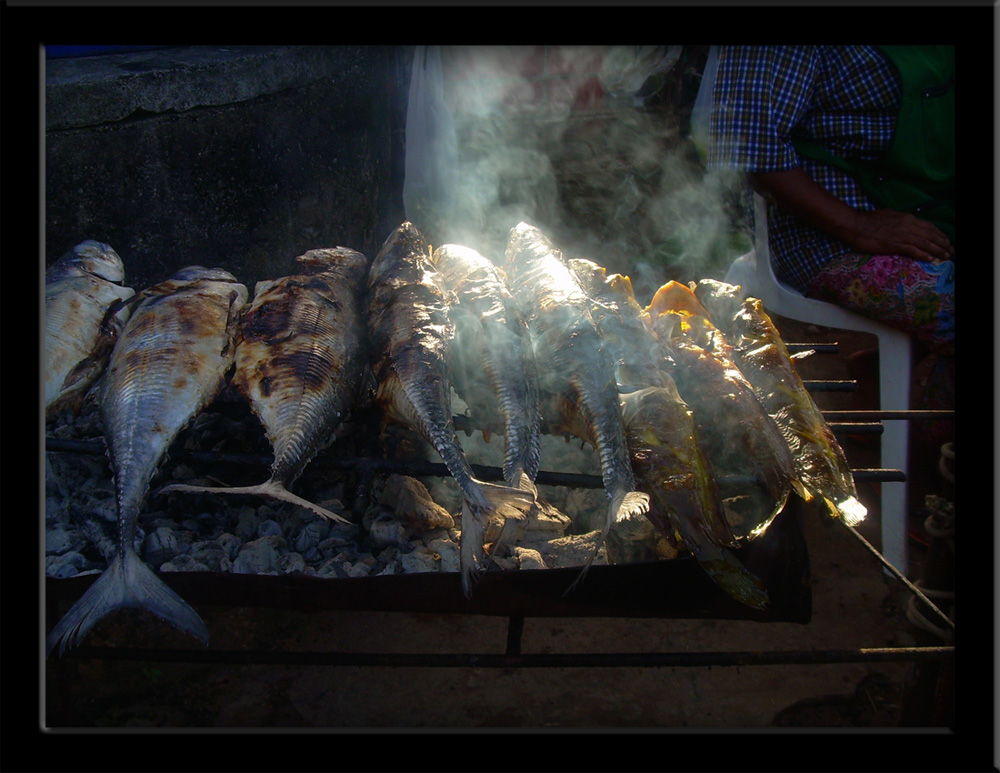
591, 145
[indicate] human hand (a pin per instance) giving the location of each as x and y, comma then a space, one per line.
888, 232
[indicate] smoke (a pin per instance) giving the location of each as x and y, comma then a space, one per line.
590, 144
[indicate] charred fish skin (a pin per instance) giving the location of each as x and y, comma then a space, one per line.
494, 357
81, 288
300, 359
411, 333
738, 432
170, 362
577, 368
820, 462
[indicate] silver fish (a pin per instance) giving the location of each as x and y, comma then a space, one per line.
494, 364
300, 360
80, 289
576, 368
411, 332
820, 463
169, 363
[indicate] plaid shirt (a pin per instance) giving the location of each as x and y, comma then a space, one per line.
844, 97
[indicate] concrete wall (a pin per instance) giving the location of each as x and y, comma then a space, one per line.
239, 157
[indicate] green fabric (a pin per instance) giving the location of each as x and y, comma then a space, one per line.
917, 173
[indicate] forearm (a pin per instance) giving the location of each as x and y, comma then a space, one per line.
877, 231
798, 194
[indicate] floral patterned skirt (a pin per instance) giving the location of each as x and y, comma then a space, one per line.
903, 293
909, 295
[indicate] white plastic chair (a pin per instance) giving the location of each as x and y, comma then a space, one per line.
753, 272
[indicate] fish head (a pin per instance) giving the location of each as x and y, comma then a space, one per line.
88, 257
721, 299
404, 250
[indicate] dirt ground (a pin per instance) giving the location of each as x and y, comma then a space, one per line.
855, 605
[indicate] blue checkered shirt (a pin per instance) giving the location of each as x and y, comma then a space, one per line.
844, 97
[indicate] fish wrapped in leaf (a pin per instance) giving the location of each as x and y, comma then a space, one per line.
411, 334
667, 459
820, 464
751, 460
493, 363
578, 373
300, 362
80, 289
169, 363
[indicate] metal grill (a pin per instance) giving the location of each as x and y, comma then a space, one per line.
779, 557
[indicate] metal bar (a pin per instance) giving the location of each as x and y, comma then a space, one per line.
542, 660
417, 469
829, 385
886, 415
515, 627
818, 348
899, 575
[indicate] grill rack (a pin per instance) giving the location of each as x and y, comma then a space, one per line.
779, 557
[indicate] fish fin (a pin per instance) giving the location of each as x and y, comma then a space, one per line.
127, 582
271, 488
627, 504
496, 500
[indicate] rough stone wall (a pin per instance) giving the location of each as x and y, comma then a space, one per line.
241, 158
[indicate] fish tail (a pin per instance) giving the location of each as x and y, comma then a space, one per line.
489, 500
624, 504
127, 582
272, 488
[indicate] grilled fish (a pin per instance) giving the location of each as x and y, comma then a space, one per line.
820, 463
577, 370
170, 361
300, 360
411, 333
80, 289
667, 459
493, 365
685, 500
754, 465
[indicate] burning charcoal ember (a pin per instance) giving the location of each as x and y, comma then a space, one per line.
269, 528
184, 563
209, 554
261, 556
410, 500
528, 558
289, 563
311, 534
385, 529
421, 559
68, 564
544, 522
60, 540
447, 551
574, 550
230, 544
159, 546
